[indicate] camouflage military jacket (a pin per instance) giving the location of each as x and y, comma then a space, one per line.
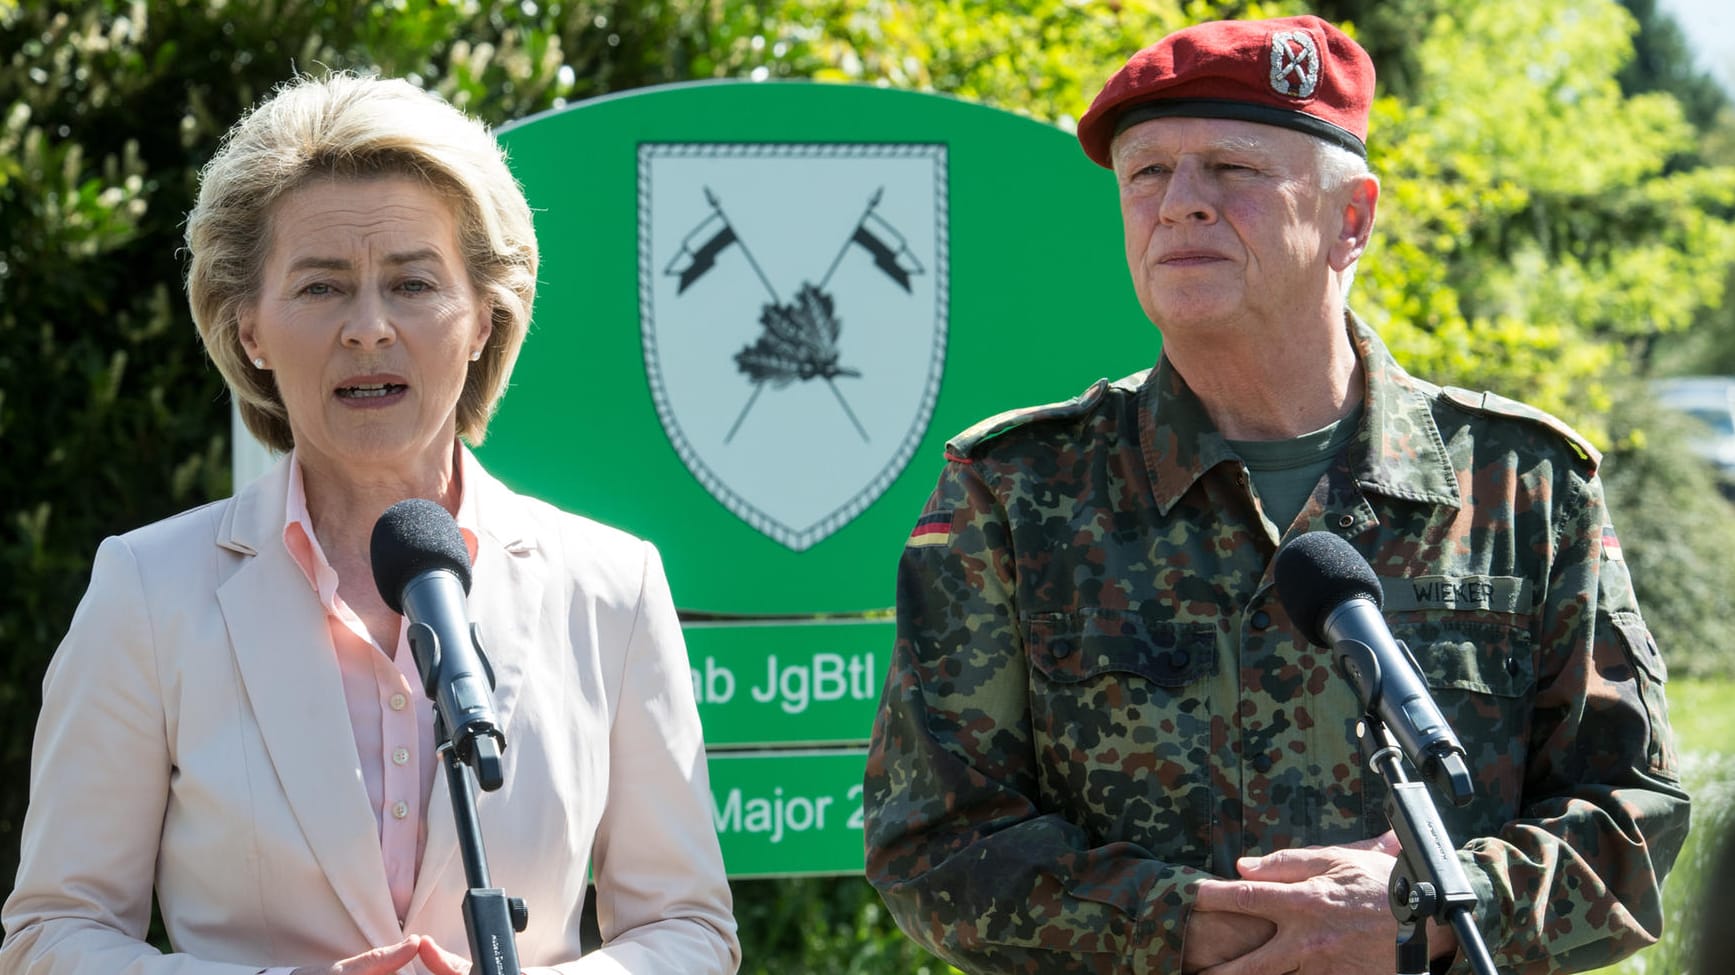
1096, 699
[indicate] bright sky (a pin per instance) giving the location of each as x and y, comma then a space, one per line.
1710, 29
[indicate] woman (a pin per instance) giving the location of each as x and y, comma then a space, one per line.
234, 717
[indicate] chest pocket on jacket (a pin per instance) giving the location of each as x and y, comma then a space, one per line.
1482, 675
1122, 726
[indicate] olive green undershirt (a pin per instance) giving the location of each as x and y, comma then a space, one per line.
1285, 472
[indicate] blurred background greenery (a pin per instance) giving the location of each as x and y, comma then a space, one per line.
1558, 225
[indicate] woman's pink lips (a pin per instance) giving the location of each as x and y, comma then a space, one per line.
371, 392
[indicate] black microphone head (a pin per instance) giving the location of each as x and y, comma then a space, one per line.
1315, 573
413, 537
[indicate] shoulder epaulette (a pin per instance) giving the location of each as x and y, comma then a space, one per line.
961, 446
1493, 404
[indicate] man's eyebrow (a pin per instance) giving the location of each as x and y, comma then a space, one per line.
1227, 145
1238, 144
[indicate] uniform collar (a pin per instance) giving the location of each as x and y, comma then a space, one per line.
1399, 452
1396, 452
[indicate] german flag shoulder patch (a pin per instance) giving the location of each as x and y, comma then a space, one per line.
933, 528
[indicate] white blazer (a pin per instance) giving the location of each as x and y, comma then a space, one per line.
194, 736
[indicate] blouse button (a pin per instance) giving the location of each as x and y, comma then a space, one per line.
401, 756
399, 702
400, 809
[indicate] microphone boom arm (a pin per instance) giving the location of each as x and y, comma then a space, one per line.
1428, 880
490, 917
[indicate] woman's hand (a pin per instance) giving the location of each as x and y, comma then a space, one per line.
387, 960
439, 961
380, 961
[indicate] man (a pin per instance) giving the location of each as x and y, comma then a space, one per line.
1104, 747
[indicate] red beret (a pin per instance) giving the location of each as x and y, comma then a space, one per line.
1298, 72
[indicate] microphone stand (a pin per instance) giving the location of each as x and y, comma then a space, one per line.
490, 917
1428, 880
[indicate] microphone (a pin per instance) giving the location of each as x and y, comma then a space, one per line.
422, 570
1331, 593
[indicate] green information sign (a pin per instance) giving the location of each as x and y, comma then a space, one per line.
765, 307
810, 683
792, 813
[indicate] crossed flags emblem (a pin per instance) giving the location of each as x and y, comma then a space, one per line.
798, 340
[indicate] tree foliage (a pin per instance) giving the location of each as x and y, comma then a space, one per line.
1534, 240
1551, 210
1663, 61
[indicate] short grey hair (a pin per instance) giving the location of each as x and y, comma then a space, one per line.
1338, 166
350, 127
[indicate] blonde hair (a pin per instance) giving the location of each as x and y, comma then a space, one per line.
350, 127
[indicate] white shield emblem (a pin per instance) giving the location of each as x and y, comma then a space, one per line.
793, 307
1294, 63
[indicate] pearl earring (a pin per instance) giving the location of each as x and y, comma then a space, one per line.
476, 355
258, 363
